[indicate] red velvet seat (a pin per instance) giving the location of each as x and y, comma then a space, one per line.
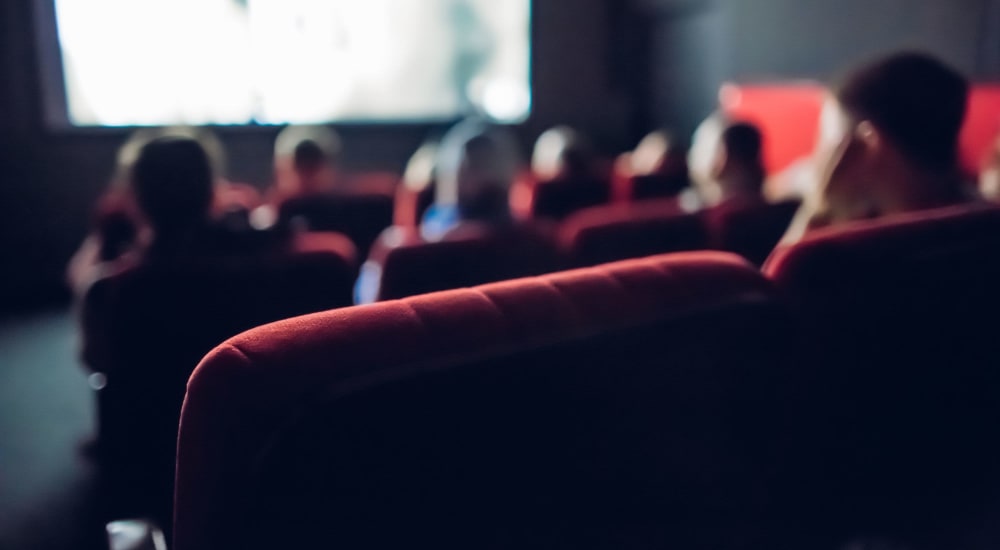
407, 265
750, 230
588, 409
618, 232
903, 317
146, 327
557, 199
360, 216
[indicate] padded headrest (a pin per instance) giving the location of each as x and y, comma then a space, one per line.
495, 315
268, 365
243, 394
633, 230
882, 244
244, 391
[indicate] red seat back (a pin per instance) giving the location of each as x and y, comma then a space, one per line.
902, 314
411, 266
583, 409
606, 234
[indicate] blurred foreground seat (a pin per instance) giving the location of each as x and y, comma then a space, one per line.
587, 409
902, 315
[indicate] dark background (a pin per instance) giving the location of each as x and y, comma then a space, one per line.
613, 68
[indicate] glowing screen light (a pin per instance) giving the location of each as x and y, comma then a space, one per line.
161, 62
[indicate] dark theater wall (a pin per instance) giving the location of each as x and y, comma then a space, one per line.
702, 43
50, 178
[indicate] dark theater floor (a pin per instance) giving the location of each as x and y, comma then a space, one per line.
47, 483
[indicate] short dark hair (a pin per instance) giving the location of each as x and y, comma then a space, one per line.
744, 142
309, 156
913, 98
173, 182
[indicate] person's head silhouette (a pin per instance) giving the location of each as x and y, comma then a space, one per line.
738, 168
889, 137
561, 152
306, 159
172, 181
477, 165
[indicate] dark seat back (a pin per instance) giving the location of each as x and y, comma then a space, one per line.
656, 186
622, 231
750, 230
360, 216
588, 409
557, 199
146, 328
473, 256
902, 315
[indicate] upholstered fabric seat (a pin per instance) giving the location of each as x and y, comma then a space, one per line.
901, 314
622, 231
403, 264
587, 409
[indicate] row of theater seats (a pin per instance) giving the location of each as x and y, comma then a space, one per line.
555, 199
365, 211
183, 309
408, 265
684, 401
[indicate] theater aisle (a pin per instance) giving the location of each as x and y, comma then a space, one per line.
47, 485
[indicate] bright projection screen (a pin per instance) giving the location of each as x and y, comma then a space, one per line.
235, 62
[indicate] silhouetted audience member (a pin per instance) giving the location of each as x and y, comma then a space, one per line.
657, 168
416, 194
172, 185
888, 143
561, 153
989, 179
736, 171
311, 193
477, 165
306, 161
704, 145
116, 221
475, 168
232, 201
660, 154
565, 178
172, 181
